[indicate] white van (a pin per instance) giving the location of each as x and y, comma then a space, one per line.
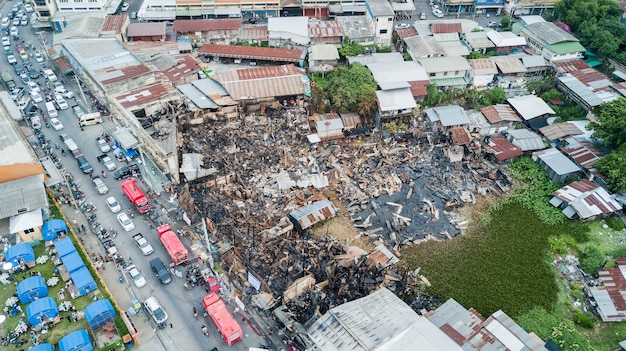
52, 111
155, 310
90, 119
50, 75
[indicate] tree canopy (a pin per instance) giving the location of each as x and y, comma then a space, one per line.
349, 89
611, 127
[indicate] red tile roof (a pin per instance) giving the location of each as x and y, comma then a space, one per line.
186, 65
503, 149
446, 28
144, 95
251, 52
201, 25
114, 23
154, 29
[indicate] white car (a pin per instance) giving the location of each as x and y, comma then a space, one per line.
113, 205
402, 25
12, 60
438, 13
6, 41
28, 8
136, 276
422, 16
125, 222
125, 7
107, 162
56, 124
61, 102
35, 96
434, 7
32, 86
38, 57
103, 145
14, 31
58, 85
99, 185
65, 93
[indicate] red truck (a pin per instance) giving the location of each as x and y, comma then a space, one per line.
174, 247
135, 195
226, 324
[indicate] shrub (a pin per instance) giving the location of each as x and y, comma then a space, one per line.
591, 258
584, 320
614, 223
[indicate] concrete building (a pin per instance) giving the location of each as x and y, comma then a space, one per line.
288, 32
170, 10
380, 17
552, 42
91, 5
447, 71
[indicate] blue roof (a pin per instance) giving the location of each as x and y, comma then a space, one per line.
42, 347
28, 288
38, 309
83, 281
64, 246
72, 262
76, 341
51, 228
19, 252
99, 312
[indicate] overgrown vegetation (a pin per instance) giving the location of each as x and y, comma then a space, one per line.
476, 99
568, 111
551, 326
540, 86
611, 130
346, 89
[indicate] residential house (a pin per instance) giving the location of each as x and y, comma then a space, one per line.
356, 29
471, 331
552, 42
146, 31
402, 35
115, 26
584, 85
447, 71
325, 32
394, 103
482, 73
585, 200
525, 139
478, 42
445, 118
380, 17
478, 126
583, 155
288, 32
201, 31
610, 293
451, 44
446, 27
506, 42
501, 117
502, 150
536, 65
401, 74
422, 46
329, 126
509, 66
560, 131
323, 57
533, 110
558, 166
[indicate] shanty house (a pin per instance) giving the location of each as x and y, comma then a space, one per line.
552, 42
610, 295
329, 126
533, 110
482, 73
215, 30
585, 200
325, 32
400, 74
447, 71
394, 103
451, 44
502, 149
446, 118
501, 117
509, 66
525, 139
421, 46
506, 42
559, 168
323, 57
478, 123
478, 42
307, 216
146, 31
558, 131
535, 65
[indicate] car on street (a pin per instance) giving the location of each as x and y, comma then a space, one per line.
437, 13
107, 162
28, 8
402, 25
32, 73
136, 276
61, 102
423, 16
78, 111
15, 21
84, 165
6, 41
38, 57
12, 60
14, 30
125, 7
17, 93
7, 50
32, 86
126, 171
160, 271
23, 55
24, 21
103, 144
493, 24
26, 62
44, 66
19, 70
155, 310
5, 22
113, 205
434, 7
133, 15
125, 222
56, 124
35, 96
35, 122
65, 93
24, 78
98, 183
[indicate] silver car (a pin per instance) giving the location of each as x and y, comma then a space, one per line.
136, 276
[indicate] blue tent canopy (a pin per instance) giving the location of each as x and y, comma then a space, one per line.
64, 246
19, 252
30, 288
83, 281
99, 313
38, 310
51, 229
76, 341
72, 262
42, 347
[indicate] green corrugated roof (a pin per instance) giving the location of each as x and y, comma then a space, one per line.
566, 47
444, 82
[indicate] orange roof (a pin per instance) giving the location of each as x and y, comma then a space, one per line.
251, 52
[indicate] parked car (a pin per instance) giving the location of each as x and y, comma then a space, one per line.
402, 25
32, 73
126, 171
136, 276
65, 93
160, 271
14, 30
36, 96
103, 144
113, 205
19, 70
6, 41
61, 102
32, 86
12, 60
84, 165
107, 162
28, 8
78, 111
155, 310
125, 222
438, 13
423, 16
125, 7
38, 57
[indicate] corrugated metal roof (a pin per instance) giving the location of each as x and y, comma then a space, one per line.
559, 130
406, 33
478, 40
329, 126
588, 199
355, 27
379, 8
13, 147
580, 90
454, 48
504, 149
508, 64
531, 61
262, 82
556, 161
610, 297
510, 334
307, 216
438, 27
323, 52
252, 52
145, 95
460, 136
582, 155
196, 96
424, 46
525, 139
254, 33
214, 91
324, 28
185, 65
530, 106
500, 113
549, 32
505, 39
452, 115
22, 195
350, 120
444, 64
114, 23
202, 25
396, 99
148, 29
483, 66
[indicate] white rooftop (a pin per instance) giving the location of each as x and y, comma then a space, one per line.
530, 106
396, 99
298, 25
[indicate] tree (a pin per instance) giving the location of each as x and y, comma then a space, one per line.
349, 89
575, 12
540, 86
505, 22
612, 126
613, 166
351, 48
591, 258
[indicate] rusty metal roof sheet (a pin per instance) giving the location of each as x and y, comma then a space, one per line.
438, 27
503, 149
583, 156
483, 66
307, 216
254, 33
252, 52
114, 23
500, 113
460, 136
262, 82
146, 29
145, 95
185, 65
202, 25
324, 29
560, 130
508, 64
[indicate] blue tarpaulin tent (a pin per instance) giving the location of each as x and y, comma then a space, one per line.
30, 288
19, 252
50, 229
98, 313
76, 341
83, 281
72, 262
42, 347
64, 246
38, 310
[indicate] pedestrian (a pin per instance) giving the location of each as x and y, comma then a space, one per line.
75, 222
82, 227
171, 325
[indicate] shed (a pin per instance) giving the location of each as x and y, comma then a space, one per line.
448, 116
64, 246
532, 109
72, 262
19, 252
307, 216
585, 200
525, 139
83, 281
31, 288
329, 126
558, 166
98, 313
42, 347
41, 309
52, 228
560, 130
76, 341
503, 149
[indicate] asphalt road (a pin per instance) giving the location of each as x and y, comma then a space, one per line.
177, 301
